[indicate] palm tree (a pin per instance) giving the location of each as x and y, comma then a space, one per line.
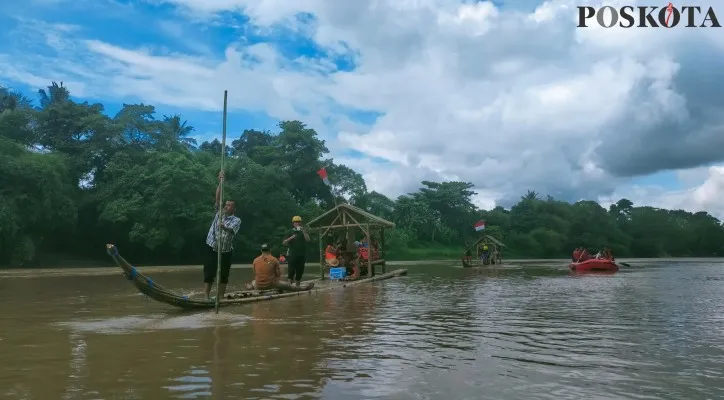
531, 195
17, 119
56, 94
174, 130
11, 100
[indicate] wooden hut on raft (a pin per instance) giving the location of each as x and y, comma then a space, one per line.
475, 250
346, 223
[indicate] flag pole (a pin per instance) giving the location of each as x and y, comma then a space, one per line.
221, 207
322, 172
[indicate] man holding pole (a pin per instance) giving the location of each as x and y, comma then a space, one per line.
229, 225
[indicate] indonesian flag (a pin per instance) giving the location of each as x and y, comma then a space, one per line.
323, 174
479, 226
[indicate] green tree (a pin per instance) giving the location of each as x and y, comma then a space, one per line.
37, 206
73, 178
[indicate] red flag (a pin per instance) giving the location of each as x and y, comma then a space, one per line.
323, 174
479, 226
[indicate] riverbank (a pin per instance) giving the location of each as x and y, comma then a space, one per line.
420, 252
106, 270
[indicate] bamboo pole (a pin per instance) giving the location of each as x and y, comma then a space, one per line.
382, 249
221, 206
356, 223
321, 257
337, 226
370, 266
328, 227
350, 236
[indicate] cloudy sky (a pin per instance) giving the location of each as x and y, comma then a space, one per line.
509, 95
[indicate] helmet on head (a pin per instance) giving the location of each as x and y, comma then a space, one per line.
296, 218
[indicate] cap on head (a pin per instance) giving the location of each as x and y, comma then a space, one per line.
265, 247
296, 218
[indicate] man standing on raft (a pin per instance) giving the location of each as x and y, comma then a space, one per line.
230, 225
297, 256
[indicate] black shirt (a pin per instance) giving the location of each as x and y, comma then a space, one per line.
298, 245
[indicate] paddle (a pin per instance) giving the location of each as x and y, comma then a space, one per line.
624, 264
221, 207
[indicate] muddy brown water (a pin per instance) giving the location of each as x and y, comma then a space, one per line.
653, 331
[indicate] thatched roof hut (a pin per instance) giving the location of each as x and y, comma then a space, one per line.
347, 218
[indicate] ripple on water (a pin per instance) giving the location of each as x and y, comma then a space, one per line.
120, 325
196, 384
509, 335
559, 338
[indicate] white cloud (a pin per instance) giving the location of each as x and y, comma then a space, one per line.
693, 176
507, 99
706, 195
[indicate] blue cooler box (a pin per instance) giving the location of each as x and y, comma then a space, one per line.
337, 273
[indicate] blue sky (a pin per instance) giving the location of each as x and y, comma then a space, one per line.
131, 24
134, 24
389, 89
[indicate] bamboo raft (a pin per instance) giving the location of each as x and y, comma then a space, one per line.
475, 261
157, 292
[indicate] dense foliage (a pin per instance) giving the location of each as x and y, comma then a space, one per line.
73, 179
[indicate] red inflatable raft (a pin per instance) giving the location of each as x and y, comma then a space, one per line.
594, 264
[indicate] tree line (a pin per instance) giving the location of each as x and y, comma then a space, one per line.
73, 178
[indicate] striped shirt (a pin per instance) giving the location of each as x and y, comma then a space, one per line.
227, 238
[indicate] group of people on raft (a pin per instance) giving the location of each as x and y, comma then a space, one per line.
267, 269
350, 256
486, 255
581, 254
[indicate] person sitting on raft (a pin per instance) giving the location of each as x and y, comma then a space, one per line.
605, 254
267, 273
576, 254
333, 262
608, 253
333, 257
353, 270
581, 254
375, 247
340, 246
486, 253
330, 252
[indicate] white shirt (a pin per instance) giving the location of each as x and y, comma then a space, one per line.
227, 238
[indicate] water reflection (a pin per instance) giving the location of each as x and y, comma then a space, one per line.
78, 366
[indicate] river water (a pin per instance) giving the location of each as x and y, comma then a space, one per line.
647, 332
